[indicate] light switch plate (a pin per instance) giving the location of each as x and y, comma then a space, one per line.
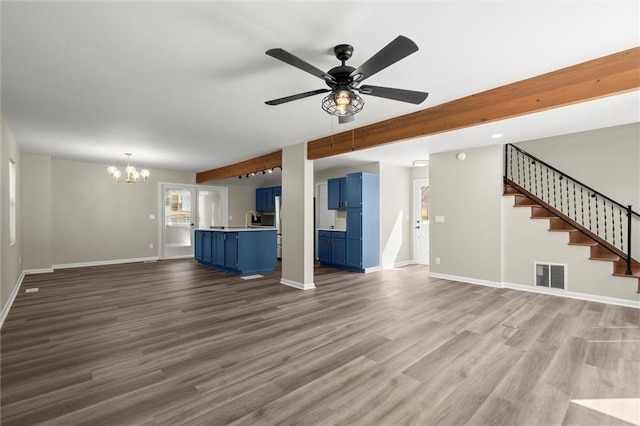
439, 219
152, 216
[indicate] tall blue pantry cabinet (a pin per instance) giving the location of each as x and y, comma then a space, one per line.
363, 221
359, 247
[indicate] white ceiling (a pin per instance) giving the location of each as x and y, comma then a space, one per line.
182, 85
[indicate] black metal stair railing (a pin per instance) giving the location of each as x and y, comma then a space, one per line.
611, 221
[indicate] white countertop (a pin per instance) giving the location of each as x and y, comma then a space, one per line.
331, 229
232, 229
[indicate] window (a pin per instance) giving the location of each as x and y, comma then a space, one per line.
12, 202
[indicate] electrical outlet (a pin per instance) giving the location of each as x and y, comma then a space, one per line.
150, 246
437, 260
230, 217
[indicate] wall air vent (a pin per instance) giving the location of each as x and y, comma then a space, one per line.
550, 275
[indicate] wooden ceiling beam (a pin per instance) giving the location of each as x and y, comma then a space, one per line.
607, 76
257, 164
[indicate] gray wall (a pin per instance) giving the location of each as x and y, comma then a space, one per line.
468, 194
484, 238
36, 197
242, 196
605, 159
92, 218
11, 268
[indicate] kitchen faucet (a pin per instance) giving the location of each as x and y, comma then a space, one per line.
246, 217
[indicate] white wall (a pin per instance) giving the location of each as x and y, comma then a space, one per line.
395, 215
10, 264
468, 194
297, 213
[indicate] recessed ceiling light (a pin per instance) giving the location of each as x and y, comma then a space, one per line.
496, 135
420, 163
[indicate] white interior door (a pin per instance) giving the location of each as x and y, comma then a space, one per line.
421, 221
185, 207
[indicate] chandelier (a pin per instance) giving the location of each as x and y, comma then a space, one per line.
132, 175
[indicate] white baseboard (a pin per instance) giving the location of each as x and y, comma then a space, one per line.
393, 265
38, 271
11, 299
542, 290
466, 280
574, 295
295, 284
105, 262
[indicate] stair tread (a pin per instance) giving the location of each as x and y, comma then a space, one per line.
609, 259
583, 243
626, 276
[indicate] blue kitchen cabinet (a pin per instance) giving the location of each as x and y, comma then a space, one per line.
332, 248
363, 221
243, 252
198, 245
261, 199
337, 193
207, 247
265, 198
354, 190
230, 249
338, 248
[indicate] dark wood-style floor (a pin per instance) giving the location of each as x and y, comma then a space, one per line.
175, 343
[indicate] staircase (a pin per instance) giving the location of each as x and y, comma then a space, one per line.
590, 218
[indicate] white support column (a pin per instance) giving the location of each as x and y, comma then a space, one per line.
297, 218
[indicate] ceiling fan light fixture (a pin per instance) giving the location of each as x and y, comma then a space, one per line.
420, 163
342, 101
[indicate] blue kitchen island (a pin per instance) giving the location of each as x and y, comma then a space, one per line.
243, 251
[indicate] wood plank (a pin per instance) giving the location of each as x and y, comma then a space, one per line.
253, 165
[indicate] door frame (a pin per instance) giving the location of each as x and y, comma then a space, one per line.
416, 184
195, 208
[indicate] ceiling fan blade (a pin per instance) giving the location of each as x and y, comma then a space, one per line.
296, 97
290, 59
399, 48
342, 119
410, 96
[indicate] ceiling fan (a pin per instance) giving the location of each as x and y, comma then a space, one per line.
344, 80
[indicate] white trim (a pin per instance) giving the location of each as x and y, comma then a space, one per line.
389, 266
12, 297
466, 280
542, 290
295, 284
38, 271
574, 295
105, 262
